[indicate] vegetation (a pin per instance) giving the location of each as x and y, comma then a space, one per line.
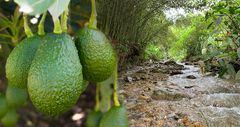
39, 58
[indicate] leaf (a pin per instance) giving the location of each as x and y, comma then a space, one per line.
4, 22
210, 25
238, 52
58, 8
231, 71
237, 77
34, 7
106, 94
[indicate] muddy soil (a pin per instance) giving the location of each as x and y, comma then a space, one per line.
175, 95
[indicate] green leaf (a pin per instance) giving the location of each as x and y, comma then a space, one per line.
4, 22
231, 71
238, 52
237, 77
106, 94
34, 7
210, 25
58, 8
224, 10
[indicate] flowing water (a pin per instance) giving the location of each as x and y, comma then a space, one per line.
219, 103
188, 99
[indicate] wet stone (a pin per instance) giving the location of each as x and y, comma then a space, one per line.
221, 117
222, 100
168, 94
128, 79
191, 77
175, 72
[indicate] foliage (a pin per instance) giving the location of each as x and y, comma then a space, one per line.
138, 23
188, 35
223, 44
153, 52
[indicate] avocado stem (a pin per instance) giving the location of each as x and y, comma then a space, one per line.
115, 87
57, 27
64, 18
97, 106
41, 24
27, 29
93, 18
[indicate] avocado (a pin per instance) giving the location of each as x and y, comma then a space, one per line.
10, 119
3, 106
93, 119
115, 117
55, 79
16, 97
19, 61
96, 54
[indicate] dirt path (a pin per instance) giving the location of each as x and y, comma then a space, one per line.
155, 99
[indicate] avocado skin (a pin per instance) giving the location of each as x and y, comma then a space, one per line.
16, 97
3, 106
19, 61
115, 117
94, 118
10, 119
96, 54
55, 79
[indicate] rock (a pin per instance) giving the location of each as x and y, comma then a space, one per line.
143, 97
196, 124
155, 70
173, 116
175, 72
191, 77
168, 94
221, 117
228, 100
128, 79
188, 87
170, 62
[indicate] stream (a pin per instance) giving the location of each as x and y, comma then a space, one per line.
159, 94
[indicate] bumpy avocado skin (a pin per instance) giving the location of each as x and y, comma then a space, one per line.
93, 119
16, 97
19, 61
55, 79
3, 106
96, 54
115, 117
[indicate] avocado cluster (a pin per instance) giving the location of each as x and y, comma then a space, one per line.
48, 70
51, 70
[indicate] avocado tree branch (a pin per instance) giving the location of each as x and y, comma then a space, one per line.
115, 87
64, 18
57, 27
97, 98
93, 18
41, 24
27, 29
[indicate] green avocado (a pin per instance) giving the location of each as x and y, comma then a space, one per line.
96, 54
19, 61
16, 97
115, 117
93, 119
55, 79
3, 106
10, 119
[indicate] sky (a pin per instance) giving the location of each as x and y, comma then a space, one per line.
175, 13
